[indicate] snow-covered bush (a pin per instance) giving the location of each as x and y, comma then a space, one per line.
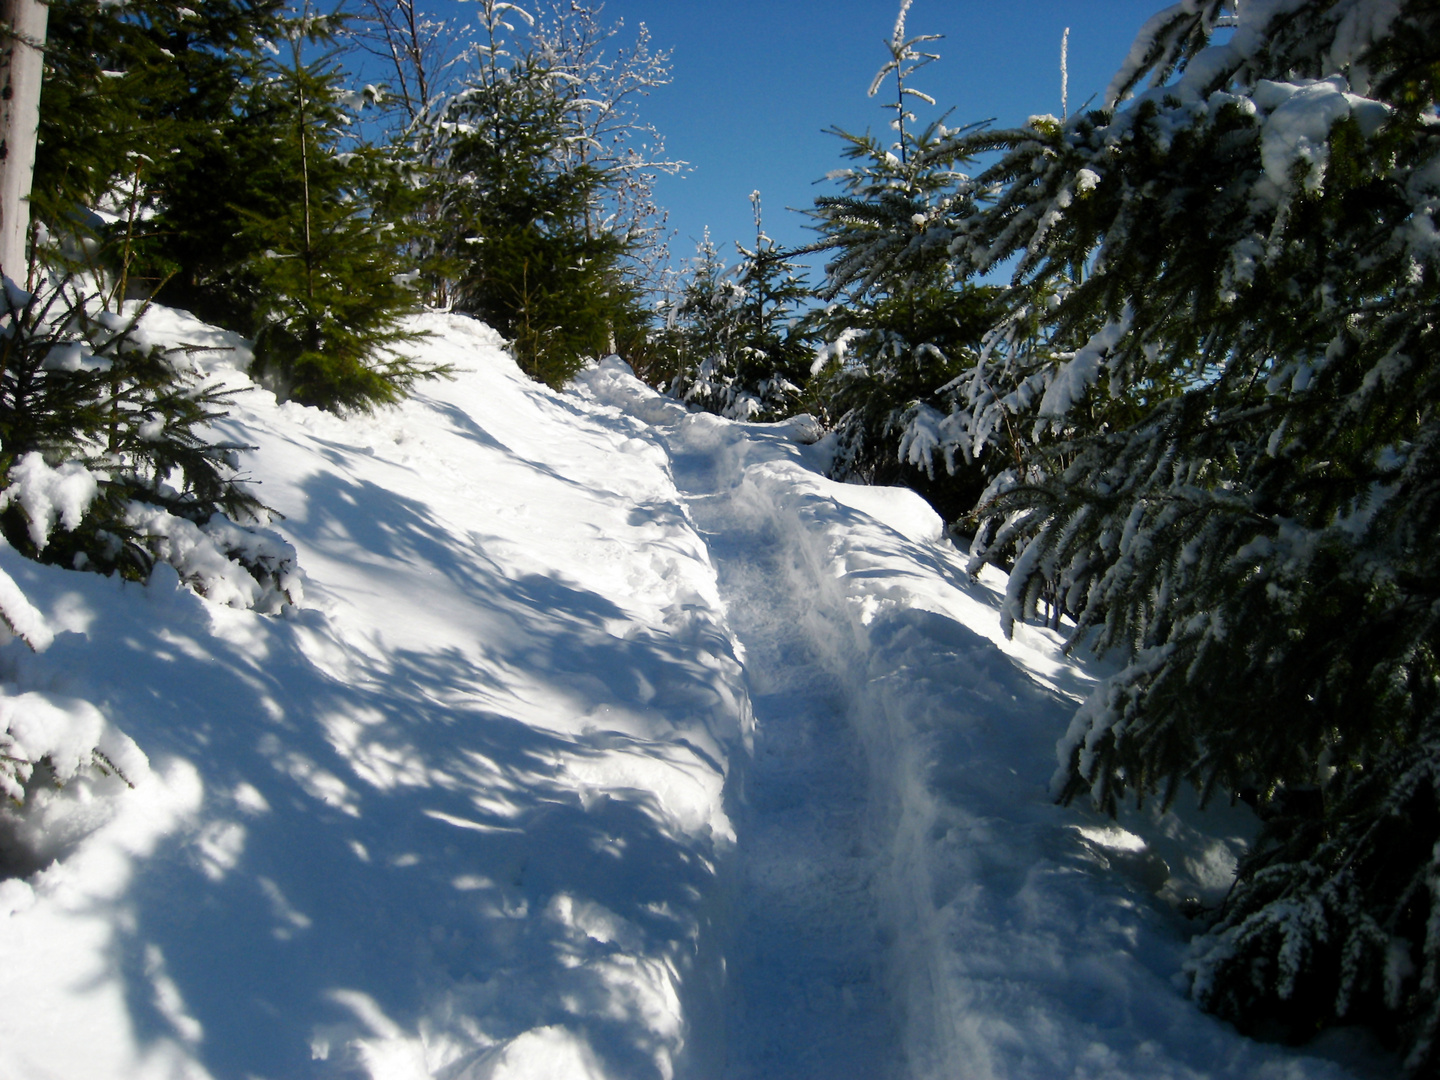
60, 735
205, 155
104, 464
900, 322
60, 758
61, 765
102, 467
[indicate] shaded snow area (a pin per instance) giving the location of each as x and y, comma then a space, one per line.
608, 741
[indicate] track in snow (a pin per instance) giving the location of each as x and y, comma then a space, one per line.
806, 991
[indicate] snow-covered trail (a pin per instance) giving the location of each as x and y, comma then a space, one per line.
807, 995
917, 905
611, 743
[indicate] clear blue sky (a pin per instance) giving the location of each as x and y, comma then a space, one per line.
757, 82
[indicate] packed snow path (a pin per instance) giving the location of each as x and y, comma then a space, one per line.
807, 995
610, 743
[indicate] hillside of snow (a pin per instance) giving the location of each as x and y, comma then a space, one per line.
609, 742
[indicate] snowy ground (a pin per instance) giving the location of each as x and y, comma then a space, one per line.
609, 742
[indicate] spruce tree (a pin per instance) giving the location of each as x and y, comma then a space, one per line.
79, 395
745, 347
213, 140
1217, 399
141, 104
544, 196
319, 263
704, 320
900, 323
533, 271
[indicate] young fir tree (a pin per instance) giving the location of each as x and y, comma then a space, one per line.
439, 78
83, 406
533, 272
105, 465
77, 394
318, 262
214, 134
901, 324
1227, 463
545, 199
745, 349
140, 104
703, 318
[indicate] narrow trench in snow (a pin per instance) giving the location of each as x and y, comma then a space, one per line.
806, 995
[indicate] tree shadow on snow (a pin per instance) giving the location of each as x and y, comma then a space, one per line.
382, 848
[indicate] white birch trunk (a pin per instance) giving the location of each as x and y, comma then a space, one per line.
21, 70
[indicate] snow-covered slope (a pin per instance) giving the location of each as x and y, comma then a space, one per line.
609, 742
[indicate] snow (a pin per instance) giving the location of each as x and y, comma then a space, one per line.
49, 495
1300, 117
1079, 372
203, 558
603, 741
20, 616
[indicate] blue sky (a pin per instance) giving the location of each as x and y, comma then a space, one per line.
756, 84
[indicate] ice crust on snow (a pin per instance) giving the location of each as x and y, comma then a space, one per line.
609, 741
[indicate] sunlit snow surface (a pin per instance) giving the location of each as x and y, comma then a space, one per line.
493, 805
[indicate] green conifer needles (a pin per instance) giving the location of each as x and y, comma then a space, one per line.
221, 137
1218, 401
745, 348
319, 265
105, 462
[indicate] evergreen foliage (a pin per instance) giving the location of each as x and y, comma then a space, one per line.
144, 97
1216, 398
104, 459
887, 381
745, 349
534, 272
319, 264
703, 320
901, 324
215, 135
545, 198
104, 464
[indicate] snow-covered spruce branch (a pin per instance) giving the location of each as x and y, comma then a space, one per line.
1223, 303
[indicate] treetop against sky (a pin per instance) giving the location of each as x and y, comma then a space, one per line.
758, 82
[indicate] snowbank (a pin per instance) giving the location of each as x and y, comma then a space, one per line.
463, 812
